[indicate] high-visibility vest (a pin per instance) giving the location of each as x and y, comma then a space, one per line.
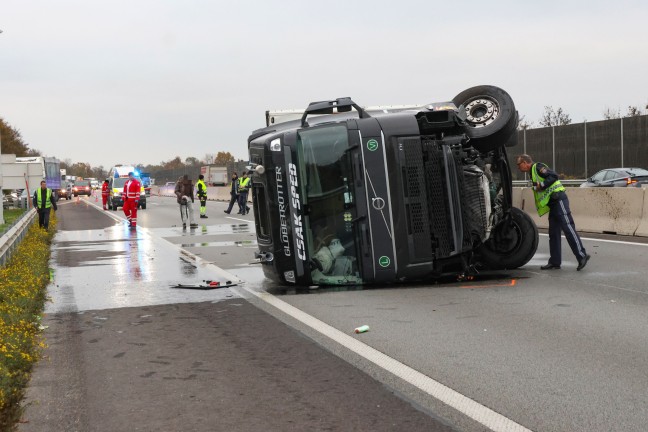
39, 198
202, 191
542, 197
243, 184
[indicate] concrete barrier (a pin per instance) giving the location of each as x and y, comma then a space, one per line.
642, 229
601, 210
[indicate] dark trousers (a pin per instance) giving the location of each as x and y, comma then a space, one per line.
561, 220
242, 202
233, 200
43, 217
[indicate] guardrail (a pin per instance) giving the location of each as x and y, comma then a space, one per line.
12, 236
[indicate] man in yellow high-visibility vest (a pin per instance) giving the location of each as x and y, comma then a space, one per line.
550, 197
43, 201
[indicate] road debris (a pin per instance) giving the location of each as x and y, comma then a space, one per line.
206, 285
362, 329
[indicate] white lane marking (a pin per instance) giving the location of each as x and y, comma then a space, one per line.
604, 241
235, 218
476, 411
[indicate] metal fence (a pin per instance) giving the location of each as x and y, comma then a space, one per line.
579, 150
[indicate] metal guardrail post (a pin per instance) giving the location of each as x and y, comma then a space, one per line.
14, 235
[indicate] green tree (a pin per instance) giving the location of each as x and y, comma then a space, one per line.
12, 142
222, 158
192, 161
174, 163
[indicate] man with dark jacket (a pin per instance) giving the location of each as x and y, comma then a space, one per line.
43, 202
550, 197
184, 192
233, 193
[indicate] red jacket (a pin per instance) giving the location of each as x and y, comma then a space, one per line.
104, 189
132, 189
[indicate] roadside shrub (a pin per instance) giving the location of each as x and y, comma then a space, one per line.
23, 290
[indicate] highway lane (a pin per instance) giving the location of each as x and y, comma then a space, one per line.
553, 351
128, 352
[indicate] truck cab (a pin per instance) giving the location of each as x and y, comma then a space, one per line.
355, 196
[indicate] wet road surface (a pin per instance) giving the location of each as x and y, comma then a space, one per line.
129, 353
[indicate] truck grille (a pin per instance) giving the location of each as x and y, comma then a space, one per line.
430, 228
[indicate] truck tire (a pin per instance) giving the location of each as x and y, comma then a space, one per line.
512, 244
490, 115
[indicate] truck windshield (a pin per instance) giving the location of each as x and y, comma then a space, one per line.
329, 209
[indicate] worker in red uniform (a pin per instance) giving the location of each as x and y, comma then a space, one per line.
104, 193
131, 197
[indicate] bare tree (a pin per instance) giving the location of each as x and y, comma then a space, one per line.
552, 117
523, 123
611, 113
633, 111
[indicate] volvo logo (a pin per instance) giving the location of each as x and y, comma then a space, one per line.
378, 203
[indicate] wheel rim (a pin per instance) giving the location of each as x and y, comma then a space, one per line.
482, 111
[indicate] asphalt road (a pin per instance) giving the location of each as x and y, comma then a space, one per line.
548, 351
126, 352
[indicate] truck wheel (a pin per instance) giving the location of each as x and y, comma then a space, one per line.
490, 115
513, 243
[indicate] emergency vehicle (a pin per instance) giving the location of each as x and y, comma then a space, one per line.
117, 178
347, 196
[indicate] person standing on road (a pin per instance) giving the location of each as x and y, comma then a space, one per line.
233, 193
201, 193
43, 202
550, 197
243, 189
104, 193
184, 192
131, 195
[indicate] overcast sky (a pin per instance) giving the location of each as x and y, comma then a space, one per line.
143, 81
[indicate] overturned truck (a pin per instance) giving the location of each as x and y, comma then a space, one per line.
347, 195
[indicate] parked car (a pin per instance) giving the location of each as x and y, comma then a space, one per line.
618, 177
82, 187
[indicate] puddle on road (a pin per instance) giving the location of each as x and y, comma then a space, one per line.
241, 243
221, 229
117, 267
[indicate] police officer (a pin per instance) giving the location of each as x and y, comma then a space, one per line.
243, 189
201, 193
550, 197
43, 202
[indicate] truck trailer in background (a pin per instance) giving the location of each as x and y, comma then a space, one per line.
215, 175
49, 169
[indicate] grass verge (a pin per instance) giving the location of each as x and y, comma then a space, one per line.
23, 290
10, 215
